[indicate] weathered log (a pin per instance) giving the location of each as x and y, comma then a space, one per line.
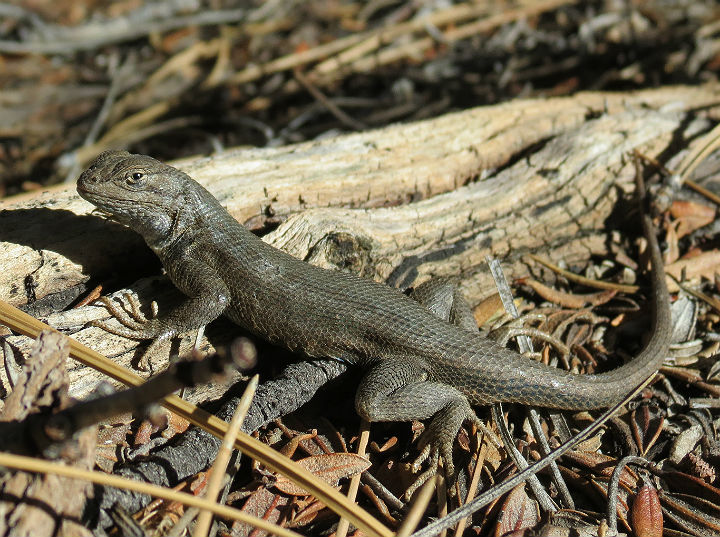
403, 203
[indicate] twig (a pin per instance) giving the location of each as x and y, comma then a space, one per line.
556, 476
613, 486
422, 499
540, 493
693, 160
17, 12
525, 346
709, 300
118, 77
344, 524
577, 278
484, 499
472, 489
217, 472
327, 103
382, 492
407, 50
115, 31
702, 191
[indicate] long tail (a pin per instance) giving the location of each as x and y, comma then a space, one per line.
499, 374
606, 389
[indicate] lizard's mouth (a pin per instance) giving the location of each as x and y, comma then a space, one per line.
97, 199
85, 192
84, 184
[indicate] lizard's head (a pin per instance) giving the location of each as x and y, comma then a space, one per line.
138, 191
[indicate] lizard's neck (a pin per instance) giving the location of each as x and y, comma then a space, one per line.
194, 213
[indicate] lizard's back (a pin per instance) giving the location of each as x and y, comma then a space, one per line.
324, 313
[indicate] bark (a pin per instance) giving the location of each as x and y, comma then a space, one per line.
34, 503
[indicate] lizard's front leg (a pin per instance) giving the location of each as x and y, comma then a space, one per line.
208, 297
398, 389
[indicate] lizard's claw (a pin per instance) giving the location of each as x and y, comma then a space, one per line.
134, 325
133, 319
433, 453
437, 443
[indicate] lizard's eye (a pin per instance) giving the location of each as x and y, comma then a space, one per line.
133, 178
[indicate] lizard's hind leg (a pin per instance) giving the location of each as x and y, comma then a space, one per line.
444, 299
398, 389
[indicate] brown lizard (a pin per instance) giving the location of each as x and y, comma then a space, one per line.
418, 366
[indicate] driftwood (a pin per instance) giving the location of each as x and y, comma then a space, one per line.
401, 204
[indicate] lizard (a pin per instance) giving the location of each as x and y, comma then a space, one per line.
416, 365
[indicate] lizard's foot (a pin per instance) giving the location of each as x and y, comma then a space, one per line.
134, 325
133, 322
398, 389
437, 443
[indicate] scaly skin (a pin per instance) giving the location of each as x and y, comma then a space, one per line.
418, 365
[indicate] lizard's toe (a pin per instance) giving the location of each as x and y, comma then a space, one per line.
433, 466
437, 442
132, 319
133, 324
